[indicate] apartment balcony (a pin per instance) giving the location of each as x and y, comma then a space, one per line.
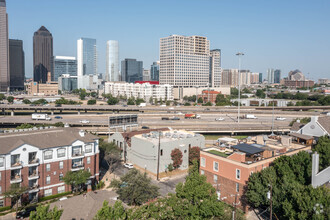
34, 188
77, 166
33, 162
17, 165
15, 179
77, 155
33, 176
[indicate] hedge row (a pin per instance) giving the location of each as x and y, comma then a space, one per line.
5, 208
53, 196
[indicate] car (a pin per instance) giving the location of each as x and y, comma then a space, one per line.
220, 119
58, 117
25, 213
207, 109
280, 119
175, 118
180, 113
171, 108
129, 165
145, 127
99, 113
58, 105
84, 121
165, 118
125, 105
32, 104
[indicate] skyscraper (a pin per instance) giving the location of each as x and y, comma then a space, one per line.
62, 65
154, 71
4, 48
17, 64
42, 54
112, 62
215, 68
277, 76
131, 70
86, 59
184, 61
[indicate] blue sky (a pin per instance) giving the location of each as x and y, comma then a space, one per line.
273, 34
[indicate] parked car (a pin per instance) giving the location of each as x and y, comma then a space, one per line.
99, 113
125, 105
129, 165
58, 105
84, 121
175, 118
220, 119
25, 213
280, 119
145, 127
58, 117
165, 118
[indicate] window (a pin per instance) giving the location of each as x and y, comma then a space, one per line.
251, 173
61, 165
88, 160
2, 203
161, 152
88, 148
1, 161
48, 167
48, 155
48, 180
215, 178
203, 161
237, 187
238, 174
215, 166
61, 189
61, 177
61, 152
0, 177
88, 169
0, 190
202, 172
48, 192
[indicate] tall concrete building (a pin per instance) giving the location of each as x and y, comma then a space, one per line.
17, 64
131, 70
112, 62
42, 54
154, 71
86, 59
230, 77
277, 76
215, 68
63, 65
184, 61
146, 75
4, 48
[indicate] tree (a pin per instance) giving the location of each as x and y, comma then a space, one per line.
130, 101
107, 212
151, 100
110, 153
44, 212
93, 94
76, 179
10, 99
112, 100
2, 97
161, 101
135, 188
234, 92
176, 156
200, 100
187, 104
168, 103
15, 193
246, 90
24, 126
194, 154
139, 101
260, 93
91, 102
208, 104
323, 149
221, 100
26, 101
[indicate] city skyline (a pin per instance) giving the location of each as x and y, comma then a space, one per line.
286, 42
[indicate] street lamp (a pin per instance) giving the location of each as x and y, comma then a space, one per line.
239, 54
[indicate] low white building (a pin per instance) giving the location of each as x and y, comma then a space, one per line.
317, 127
144, 91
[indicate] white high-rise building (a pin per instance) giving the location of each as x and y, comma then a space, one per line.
86, 60
215, 68
4, 48
184, 61
112, 61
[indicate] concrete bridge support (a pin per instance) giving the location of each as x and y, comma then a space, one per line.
12, 113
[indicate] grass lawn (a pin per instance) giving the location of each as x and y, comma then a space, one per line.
212, 136
240, 137
218, 153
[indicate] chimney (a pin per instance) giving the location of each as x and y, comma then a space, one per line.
82, 133
314, 119
49, 77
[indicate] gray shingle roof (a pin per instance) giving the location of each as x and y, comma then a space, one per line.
248, 148
296, 126
325, 123
42, 139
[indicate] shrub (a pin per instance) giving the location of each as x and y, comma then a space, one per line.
91, 102
2, 209
100, 185
53, 196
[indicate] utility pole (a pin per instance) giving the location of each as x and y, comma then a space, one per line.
239, 54
273, 119
235, 204
158, 155
271, 202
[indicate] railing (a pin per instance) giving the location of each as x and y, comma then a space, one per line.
16, 177
34, 160
36, 186
33, 174
77, 165
17, 164
77, 154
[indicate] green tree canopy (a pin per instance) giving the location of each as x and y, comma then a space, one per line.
15, 193
76, 179
91, 102
135, 188
323, 149
10, 99
44, 212
26, 101
112, 100
107, 212
130, 101
260, 93
200, 100
2, 97
110, 153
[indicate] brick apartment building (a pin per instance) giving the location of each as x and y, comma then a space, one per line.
228, 168
209, 96
39, 159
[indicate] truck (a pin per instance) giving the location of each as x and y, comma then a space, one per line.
192, 116
37, 116
143, 105
249, 116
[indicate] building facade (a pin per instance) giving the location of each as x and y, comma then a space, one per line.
63, 65
42, 54
131, 70
137, 90
277, 76
141, 147
215, 68
67, 83
230, 77
209, 96
184, 61
17, 64
39, 159
146, 75
86, 59
154, 71
112, 61
41, 89
4, 48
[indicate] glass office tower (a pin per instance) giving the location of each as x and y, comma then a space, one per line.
131, 70
63, 65
154, 71
112, 62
